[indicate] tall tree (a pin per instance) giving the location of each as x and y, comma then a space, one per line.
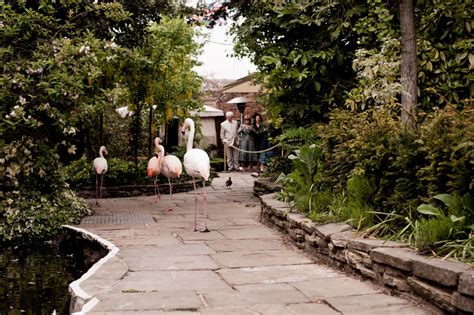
303, 51
408, 63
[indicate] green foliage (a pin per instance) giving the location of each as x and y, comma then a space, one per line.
62, 73
303, 182
373, 173
431, 230
120, 172
294, 138
446, 142
445, 57
379, 77
303, 52
217, 164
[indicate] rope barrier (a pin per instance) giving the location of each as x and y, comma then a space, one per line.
260, 151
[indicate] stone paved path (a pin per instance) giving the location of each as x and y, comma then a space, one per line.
240, 267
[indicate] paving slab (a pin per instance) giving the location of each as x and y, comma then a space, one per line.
197, 248
144, 312
312, 308
256, 259
158, 262
245, 245
165, 301
220, 298
277, 274
321, 289
252, 233
200, 280
198, 236
240, 267
356, 304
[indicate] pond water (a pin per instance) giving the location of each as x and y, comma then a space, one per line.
35, 279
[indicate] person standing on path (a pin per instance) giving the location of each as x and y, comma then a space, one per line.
230, 138
247, 144
260, 135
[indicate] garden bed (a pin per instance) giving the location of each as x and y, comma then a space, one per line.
446, 284
136, 190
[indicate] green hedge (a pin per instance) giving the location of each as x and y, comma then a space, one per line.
80, 174
416, 186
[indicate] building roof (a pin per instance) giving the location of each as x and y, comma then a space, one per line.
242, 85
208, 111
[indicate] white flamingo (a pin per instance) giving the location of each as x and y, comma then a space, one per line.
197, 164
154, 167
171, 167
100, 168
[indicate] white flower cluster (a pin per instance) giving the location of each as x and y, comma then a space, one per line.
110, 45
17, 111
85, 49
34, 71
69, 130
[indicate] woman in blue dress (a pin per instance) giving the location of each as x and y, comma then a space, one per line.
246, 133
261, 143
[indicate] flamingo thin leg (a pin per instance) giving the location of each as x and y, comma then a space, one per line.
101, 185
157, 191
205, 208
171, 193
97, 190
195, 205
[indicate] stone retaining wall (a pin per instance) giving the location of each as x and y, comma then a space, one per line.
446, 284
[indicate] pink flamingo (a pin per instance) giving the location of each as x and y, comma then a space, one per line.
171, 167
197, 164
154, 167
100, 168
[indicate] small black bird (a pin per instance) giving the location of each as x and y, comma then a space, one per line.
228, 183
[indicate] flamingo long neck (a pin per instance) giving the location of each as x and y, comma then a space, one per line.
101, 152
161, 150
189, 145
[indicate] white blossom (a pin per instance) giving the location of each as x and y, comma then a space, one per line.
69, 130
84, 49
72, 149
22, 100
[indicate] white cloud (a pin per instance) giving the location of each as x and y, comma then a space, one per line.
216, 57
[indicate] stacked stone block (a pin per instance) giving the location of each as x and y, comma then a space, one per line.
449, 285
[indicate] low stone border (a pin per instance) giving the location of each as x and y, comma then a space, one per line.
264, 186
81, 301
135, 190
446, 284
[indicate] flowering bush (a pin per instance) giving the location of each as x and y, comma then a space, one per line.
46, 87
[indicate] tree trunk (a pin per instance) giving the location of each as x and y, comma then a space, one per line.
101, 128
408, 63
150, 121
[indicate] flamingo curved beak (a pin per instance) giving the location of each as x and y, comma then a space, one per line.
183, 130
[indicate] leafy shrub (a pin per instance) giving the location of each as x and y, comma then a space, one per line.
33, 215
217, 164
34, 199
120, 172
302, 183
446, 141
289, 141
294, 138
357, 209
431, 230
372, 173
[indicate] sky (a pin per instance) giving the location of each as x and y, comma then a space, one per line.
216, 59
